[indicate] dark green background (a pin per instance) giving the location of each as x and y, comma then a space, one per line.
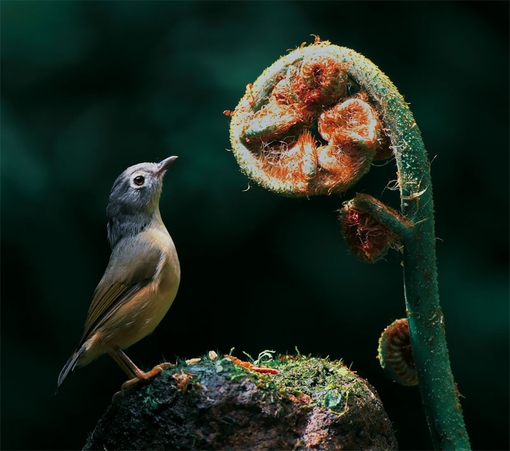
89, 88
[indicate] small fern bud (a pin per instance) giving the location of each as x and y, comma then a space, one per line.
396, 353
367, 237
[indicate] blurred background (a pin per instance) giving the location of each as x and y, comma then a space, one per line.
90, 88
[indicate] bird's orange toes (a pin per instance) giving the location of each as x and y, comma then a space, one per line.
163, 366
147, 375
142, 375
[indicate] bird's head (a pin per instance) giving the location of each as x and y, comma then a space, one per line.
134, 198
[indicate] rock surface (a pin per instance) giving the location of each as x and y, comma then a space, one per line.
286, 403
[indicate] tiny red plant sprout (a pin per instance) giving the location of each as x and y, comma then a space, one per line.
265, 370
396, 353
250, 366
237, 361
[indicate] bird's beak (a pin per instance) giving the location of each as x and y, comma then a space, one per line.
163, 165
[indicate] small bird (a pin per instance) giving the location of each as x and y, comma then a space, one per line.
141, 279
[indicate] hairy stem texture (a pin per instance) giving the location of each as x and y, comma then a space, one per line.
426, 321
359, 113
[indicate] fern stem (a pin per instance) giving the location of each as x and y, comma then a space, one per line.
426, 321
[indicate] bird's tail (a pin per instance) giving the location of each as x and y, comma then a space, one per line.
70, 365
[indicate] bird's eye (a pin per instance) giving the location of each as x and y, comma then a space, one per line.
139, 180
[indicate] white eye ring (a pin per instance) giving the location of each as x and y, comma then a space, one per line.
138, 181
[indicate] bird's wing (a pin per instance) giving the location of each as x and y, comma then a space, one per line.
130, 269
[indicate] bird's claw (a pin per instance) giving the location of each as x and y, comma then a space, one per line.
143, 376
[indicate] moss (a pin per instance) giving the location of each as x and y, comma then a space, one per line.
316, 382
224, 402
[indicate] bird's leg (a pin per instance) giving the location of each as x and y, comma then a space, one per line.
134, 373
127, 365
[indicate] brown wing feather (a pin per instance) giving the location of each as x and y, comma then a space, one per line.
131, 267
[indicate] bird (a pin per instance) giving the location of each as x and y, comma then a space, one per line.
141, 279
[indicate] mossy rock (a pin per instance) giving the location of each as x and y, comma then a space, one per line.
288, 402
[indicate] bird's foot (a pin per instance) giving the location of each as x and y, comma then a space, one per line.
142, 375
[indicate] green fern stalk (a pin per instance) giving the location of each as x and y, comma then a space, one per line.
426, 321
